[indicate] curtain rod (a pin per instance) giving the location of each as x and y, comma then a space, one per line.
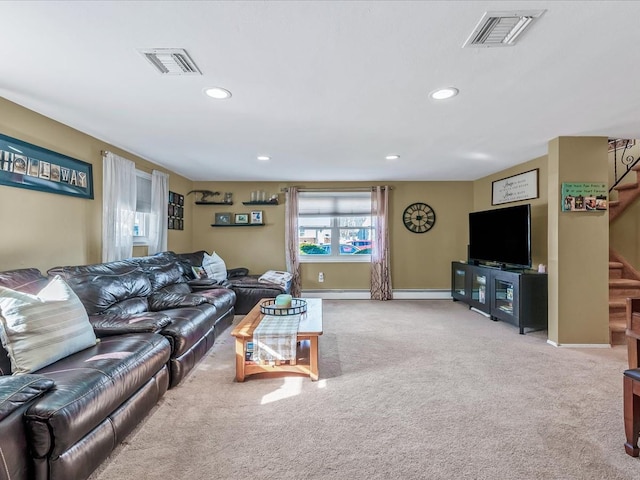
337, 189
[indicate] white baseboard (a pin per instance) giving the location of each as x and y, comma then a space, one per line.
365, 295
578, 345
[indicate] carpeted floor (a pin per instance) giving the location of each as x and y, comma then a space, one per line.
423, 389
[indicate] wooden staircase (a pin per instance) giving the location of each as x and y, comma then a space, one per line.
624, 281
627, 194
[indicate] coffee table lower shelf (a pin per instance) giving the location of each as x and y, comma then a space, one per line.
306, 362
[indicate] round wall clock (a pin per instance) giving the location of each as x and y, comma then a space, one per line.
419, 217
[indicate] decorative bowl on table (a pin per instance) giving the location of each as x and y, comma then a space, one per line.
269, 307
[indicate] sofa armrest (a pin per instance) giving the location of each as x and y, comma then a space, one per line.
237, 272
18, 390
108, 325
165, 301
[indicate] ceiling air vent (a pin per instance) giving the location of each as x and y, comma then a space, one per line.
501, 29
171, 61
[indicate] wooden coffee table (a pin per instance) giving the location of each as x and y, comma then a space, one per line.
310, 329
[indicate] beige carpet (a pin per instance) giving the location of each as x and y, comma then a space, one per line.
408, 390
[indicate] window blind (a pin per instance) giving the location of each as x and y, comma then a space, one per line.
334, 204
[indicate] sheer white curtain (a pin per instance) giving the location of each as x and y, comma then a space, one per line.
292, 249
118, 207
158, 213
380, 259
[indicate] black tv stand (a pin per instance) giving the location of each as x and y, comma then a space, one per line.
517, 296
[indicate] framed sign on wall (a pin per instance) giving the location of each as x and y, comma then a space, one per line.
584, 197
24, 165
523, 186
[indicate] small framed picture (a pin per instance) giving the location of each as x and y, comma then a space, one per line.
242, 218
256, 217
223, 218
170, 224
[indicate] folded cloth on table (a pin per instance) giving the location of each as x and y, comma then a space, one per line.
277, 277
275, 338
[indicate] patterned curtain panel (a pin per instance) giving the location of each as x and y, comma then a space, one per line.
380, 264
118, 207
292, 253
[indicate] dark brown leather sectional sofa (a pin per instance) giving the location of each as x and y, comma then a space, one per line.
63, 420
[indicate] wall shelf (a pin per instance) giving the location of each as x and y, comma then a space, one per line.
261, 203
238, 225
214, 203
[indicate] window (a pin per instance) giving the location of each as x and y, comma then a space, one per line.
143, 209
335, 226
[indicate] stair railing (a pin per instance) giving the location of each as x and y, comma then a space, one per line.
625, 161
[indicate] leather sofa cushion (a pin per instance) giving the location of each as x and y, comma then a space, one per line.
188, 326
18, 390
222, 298
163, 275
107, 325
27, 280
165, 301
129, 306
104, 285
188, 260
90, 385
163, 269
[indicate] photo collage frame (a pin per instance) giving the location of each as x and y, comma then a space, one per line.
176, 211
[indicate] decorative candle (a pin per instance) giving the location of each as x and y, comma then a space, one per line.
283, 301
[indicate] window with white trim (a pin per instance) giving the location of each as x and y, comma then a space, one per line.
335, 226
143, 209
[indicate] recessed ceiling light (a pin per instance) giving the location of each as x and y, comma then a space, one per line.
218, 93
392, 157
444, 93
264, 157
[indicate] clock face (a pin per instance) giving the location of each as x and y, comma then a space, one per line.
419, 217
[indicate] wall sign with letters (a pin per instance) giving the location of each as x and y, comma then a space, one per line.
584, 197
523, 186
24, 165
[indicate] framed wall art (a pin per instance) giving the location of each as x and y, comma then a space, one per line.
176, 211
256, 217
223, 218
24, 165
523, 186
241, 218
584, 197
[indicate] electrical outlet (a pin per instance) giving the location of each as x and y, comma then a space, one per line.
321, 277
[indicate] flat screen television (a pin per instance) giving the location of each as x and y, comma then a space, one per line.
501, 236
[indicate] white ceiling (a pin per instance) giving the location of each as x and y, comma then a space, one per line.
326, 88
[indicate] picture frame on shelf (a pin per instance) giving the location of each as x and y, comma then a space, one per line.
256, 217
223, 218
241, 218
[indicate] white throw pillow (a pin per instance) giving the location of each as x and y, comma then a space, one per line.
277, 277
214, 266
37, 330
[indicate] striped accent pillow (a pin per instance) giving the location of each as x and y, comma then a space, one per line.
37, 330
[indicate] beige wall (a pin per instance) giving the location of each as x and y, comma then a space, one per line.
418, 261
482, 190
43, 230
578, 246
